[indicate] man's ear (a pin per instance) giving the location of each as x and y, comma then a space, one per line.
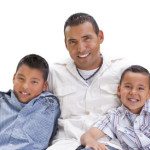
101, 36
118, 92
65, 42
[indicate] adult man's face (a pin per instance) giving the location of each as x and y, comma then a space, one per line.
83, 45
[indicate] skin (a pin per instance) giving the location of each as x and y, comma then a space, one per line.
28, 83
90, 137
83, 45
134, 91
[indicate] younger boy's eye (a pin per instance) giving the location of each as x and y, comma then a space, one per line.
127, 86
141, 88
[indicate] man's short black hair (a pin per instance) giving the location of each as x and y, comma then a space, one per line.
80, 18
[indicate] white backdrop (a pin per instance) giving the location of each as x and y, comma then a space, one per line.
36, 26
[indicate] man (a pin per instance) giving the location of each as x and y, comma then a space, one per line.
86, 84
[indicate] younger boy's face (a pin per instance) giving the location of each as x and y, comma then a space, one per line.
28, 83
134, 91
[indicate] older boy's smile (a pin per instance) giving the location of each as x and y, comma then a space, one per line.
28, 83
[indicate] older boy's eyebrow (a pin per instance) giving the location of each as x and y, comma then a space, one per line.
36, 79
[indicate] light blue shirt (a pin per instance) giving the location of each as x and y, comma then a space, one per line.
132, 131
28, 126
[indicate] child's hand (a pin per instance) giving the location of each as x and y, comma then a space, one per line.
96, 146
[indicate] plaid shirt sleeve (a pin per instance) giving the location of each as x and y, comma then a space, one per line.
107, 124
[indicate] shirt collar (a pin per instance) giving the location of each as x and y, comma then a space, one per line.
145, 109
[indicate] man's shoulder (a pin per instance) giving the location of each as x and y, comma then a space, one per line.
62, 62
118, 65
62, 67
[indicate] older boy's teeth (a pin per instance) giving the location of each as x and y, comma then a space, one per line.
24, 93
85, 55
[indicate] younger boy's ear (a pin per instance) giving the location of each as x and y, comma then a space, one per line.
118, 92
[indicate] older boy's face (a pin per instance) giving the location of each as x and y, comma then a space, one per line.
134, 91
28, 83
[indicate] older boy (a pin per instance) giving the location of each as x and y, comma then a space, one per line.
28, 114
130, 123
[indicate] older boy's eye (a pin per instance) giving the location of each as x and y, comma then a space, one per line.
34, 82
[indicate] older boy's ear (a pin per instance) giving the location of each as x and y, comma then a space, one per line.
118, 91
14, 77
45, 88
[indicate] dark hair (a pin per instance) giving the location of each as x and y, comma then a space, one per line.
35, 61
136, 69
80, 18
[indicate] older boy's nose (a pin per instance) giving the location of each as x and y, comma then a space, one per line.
25, 85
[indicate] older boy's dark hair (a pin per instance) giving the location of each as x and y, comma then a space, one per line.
80, 18
36, 62
136, 69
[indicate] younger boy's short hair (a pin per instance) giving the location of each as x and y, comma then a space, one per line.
136, 69
37, 62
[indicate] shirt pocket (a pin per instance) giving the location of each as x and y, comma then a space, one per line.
67, 97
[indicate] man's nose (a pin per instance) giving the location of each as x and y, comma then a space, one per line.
81, 47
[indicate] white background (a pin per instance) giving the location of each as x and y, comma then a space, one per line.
36, 26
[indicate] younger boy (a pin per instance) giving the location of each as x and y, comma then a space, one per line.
28, 114
130, 123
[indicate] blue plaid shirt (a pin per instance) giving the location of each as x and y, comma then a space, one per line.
28, 126
132, 131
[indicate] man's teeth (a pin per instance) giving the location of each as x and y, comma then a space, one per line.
85, 55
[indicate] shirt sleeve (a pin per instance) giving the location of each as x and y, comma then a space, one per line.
41, 124
106, 124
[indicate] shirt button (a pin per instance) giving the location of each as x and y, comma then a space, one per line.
87, 112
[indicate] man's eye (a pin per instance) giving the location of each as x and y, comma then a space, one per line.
72, 42
20, 78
